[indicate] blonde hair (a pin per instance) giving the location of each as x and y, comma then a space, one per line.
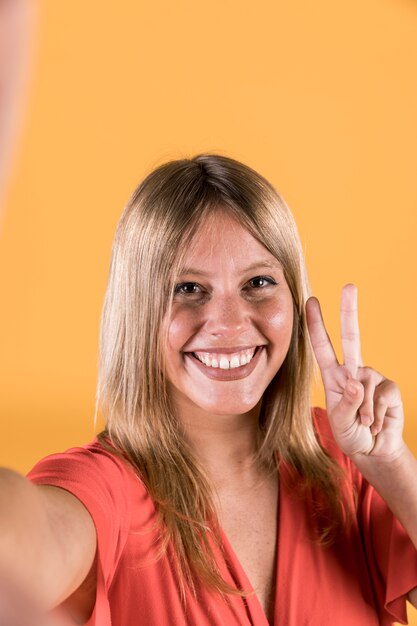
154, 231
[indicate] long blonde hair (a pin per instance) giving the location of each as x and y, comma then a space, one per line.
152, 236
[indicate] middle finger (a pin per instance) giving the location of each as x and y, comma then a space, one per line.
349, 325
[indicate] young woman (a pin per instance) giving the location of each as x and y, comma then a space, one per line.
216, 495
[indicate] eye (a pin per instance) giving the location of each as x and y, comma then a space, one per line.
187, 289
260, 282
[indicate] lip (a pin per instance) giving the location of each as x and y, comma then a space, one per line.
224, 350
234, 374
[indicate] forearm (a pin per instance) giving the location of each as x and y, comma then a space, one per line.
396, 482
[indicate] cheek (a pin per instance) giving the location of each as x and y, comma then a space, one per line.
278, 318
181, 327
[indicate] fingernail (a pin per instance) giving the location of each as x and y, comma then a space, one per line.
366, 420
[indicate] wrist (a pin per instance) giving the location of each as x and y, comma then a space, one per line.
374, 464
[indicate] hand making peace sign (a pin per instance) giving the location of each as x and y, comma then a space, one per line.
364, 408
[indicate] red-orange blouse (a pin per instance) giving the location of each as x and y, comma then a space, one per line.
362, 579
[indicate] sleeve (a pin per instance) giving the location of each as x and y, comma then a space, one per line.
390, 554
100, 480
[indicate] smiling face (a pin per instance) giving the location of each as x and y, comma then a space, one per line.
231, 322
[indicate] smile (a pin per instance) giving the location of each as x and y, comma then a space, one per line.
232, 371
226, 361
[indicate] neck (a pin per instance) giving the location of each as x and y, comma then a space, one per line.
225, 445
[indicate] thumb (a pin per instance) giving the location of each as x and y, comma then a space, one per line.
344, 413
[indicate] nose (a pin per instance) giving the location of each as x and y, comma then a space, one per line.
227, 316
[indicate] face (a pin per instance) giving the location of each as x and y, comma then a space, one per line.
231, 322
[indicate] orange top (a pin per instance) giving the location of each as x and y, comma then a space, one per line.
363, 578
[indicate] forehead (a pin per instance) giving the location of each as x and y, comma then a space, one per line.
221, 240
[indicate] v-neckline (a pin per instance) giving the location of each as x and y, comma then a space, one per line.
254, 609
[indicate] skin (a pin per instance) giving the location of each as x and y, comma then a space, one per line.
366, 414
16, 607
364, 408
214, 307
51, 538
226, 306
47, 547
375, 428
16, 25
222, 304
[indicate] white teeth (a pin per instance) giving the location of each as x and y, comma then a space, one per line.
225, 361
234, 362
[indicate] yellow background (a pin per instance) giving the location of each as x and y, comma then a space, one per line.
320, 97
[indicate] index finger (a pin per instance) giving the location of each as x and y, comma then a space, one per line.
320, 341
349, 326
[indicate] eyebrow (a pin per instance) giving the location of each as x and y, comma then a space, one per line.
254, 266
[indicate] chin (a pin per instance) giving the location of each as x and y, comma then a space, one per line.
228, 408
